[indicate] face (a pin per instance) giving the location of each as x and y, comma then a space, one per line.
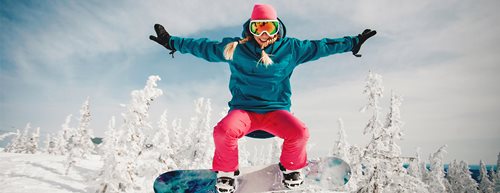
263, 38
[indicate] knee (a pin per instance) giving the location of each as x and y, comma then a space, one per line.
302, 132
298, 131
229, 128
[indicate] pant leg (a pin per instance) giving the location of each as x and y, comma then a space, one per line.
226, 134
295, 134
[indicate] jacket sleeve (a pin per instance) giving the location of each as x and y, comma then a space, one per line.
212, 51
309, 50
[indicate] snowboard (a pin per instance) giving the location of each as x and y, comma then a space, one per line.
329, 173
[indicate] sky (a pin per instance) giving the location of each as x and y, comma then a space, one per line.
440, 56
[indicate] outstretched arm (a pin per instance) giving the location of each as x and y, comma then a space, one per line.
309, 50
203, 48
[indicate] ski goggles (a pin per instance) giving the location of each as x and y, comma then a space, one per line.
258, 27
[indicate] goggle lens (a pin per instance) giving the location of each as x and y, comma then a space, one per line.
258, 27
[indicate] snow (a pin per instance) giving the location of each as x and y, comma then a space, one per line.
27, 173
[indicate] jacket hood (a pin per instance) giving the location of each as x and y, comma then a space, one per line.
246, 30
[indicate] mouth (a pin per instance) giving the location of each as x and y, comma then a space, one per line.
262, 40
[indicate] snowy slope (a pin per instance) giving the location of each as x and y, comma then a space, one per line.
28, 173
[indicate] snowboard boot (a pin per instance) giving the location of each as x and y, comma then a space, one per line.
226, 181
292, 179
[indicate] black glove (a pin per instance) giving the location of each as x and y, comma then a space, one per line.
368, 33
163, 37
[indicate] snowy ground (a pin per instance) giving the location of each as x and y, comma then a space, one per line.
28, 173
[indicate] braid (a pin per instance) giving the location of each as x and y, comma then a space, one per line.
265, 59
229, 49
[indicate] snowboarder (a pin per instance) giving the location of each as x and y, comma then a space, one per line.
261, 65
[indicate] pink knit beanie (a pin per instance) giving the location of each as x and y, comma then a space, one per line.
263, 11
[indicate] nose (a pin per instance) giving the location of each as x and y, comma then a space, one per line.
265, 35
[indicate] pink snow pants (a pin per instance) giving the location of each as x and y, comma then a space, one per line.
280, 123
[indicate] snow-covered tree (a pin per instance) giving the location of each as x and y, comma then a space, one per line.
414, 167
85, 133
15, 143
115, 176
202, 149
382, 156
374, 90
51, 145
162, 139
436, 176
460, 179
62, 139
126, 153
341, 147
80, 143
158, 158
374, 178
33, 140
24, 142
497, 176
485, 184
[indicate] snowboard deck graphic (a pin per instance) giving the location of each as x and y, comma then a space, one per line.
329, 173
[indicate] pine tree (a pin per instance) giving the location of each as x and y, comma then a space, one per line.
485, 184
80, 144
85, 132
460, 179
374, 90
497, 176
177, 144
374, 179
158, 158
127, 153
14, 143
203, 148
49, 144
414, 168
382, 156
32, 144
341, 147
63, 143
23, 142
435, 178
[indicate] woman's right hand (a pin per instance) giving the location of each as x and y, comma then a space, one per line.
162, 37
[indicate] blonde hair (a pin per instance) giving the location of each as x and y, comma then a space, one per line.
265, 59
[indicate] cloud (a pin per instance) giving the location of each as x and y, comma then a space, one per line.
441, 56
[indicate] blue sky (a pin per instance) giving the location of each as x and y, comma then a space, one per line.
441, 56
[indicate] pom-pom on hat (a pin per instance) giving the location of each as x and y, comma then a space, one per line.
263, 12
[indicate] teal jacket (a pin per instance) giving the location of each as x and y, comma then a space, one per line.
253, 86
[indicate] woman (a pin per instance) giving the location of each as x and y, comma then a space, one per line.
261, 65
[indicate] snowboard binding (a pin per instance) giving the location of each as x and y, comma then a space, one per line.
226, 182
292, 179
